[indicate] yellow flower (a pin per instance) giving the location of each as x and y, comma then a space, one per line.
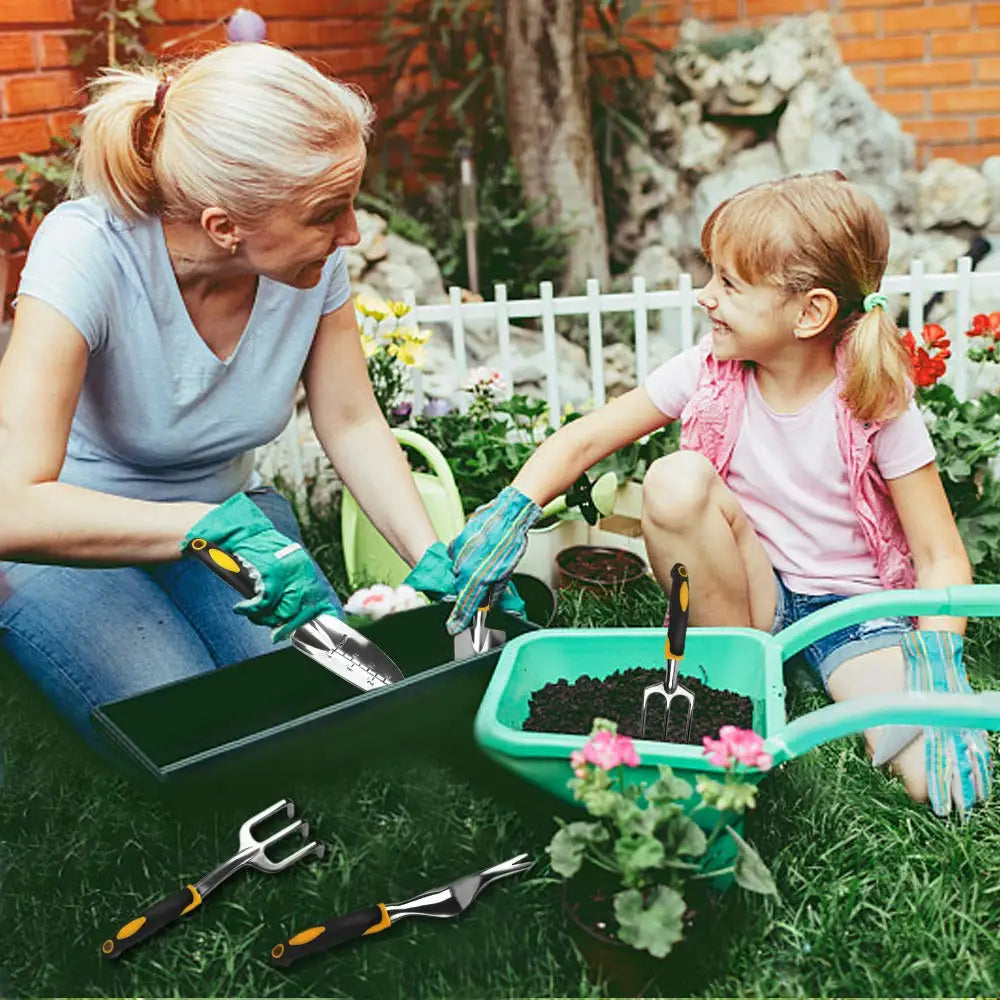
409, 353
369, 345
371, 305
398, 309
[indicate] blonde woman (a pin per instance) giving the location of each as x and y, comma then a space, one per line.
163, 321
805, 473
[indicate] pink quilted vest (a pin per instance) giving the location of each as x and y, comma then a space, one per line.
711, 421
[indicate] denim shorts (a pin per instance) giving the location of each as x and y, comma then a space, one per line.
826, 654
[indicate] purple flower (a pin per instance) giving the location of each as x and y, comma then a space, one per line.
435, 407
402, 410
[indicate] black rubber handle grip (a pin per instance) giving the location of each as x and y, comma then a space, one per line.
151, 920
677, 626
370, 920
223, 565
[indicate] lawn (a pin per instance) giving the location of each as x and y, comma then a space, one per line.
877, 896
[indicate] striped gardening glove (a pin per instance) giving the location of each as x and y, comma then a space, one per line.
486, 553
957, 760
287, 590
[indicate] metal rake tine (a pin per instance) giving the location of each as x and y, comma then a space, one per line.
247, 837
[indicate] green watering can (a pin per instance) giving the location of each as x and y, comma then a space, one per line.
368, 557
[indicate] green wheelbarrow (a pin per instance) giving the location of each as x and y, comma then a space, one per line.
368, 557
747, 661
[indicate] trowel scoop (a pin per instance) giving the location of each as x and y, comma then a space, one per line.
477, 638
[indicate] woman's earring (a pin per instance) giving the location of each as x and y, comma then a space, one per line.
233, 247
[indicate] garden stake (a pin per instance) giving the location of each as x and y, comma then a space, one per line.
677, 625
251, 852
446, 901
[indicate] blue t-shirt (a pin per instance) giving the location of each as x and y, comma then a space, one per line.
160, 417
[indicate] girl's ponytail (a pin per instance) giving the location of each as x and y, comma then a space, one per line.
879, 373
114, 161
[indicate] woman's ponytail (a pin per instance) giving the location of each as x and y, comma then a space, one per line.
114, 161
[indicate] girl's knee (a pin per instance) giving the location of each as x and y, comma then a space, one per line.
677, 488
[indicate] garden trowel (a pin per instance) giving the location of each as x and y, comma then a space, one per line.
477, 638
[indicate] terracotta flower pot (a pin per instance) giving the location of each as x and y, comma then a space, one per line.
598, 567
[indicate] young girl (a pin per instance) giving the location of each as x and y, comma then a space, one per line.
805, 474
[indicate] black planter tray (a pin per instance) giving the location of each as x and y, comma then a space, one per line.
283, 704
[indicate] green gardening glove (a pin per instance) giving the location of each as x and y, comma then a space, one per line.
486, 553
287, 591
957, 760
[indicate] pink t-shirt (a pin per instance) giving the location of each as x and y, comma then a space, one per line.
791, 479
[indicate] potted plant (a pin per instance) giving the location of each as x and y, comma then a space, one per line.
632, 870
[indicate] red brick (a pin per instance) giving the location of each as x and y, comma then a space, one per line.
23, 135
940, 17
201, 11
868, 75
924, 74
854, 4
871, 50
862, 22
956, 101
715, 10
968, 152
902, 102
940, 129
326, 33
770, 8
40, 92
61, 122
54, 49
987, 14
175, 40
21, 12
16, 52
966, 43
988, 128
988, 70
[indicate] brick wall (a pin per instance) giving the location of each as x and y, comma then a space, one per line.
933, 63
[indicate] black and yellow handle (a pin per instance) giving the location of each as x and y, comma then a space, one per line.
223, 565
155, 918
677, 625
370, 920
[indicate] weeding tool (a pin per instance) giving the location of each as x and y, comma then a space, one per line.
446, 901
182, 902
477, 638
333, 644
669, 688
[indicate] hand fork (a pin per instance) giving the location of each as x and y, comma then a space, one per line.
673, 651
446, 901
251, 853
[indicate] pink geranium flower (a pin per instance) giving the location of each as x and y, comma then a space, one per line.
737, 746
608, 750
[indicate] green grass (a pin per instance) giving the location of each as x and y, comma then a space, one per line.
877, 896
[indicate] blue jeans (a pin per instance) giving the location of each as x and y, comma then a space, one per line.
87, 637
829, 652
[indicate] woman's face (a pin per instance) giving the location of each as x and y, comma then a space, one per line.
295, 241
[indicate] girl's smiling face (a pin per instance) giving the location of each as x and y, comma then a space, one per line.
750, 322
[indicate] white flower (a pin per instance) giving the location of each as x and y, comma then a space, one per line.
380, 600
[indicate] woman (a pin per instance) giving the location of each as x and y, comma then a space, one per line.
163, 321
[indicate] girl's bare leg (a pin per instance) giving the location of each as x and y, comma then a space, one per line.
881, 672
689, 515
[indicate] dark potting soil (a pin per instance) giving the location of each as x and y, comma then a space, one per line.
594, 564
562, 707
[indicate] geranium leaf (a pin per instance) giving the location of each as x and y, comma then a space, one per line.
656, 927
693, 842
751, 872
568, 845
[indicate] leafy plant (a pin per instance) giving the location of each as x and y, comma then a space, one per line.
39, 183
112, 33
643, 844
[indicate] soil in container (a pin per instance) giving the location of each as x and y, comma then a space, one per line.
561, 707
598, 566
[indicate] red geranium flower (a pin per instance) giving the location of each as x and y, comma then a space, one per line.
928, 362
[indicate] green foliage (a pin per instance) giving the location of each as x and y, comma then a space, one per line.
40, 182
111, 34
966, 436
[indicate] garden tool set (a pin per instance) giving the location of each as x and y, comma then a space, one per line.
669, 688
252, 852
446, 901
333, 644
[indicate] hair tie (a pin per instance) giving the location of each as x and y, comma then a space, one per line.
161, 93
873, 299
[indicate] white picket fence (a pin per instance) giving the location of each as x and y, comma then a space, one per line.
676, 309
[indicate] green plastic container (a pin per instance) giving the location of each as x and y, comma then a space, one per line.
746, 661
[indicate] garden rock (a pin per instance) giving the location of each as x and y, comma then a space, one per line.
950, 193
991, 171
